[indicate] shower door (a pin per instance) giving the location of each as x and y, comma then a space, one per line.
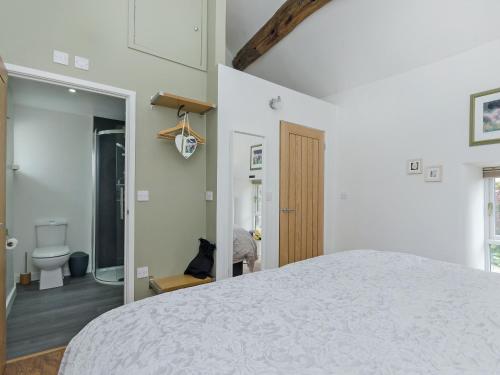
109, 205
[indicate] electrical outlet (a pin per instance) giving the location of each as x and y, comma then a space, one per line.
143, 196
142, 272
60, 57
82, 63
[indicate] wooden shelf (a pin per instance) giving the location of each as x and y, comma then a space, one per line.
174, 101
169, 284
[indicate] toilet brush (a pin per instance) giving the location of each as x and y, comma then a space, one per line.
25, 278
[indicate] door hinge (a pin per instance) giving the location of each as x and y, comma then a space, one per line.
490, 209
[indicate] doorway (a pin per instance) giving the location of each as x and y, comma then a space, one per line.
301, 193
120, 161
248, 180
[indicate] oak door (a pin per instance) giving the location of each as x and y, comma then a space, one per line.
301, 193
3, 119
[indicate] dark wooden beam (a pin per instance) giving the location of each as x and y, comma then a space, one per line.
287, 18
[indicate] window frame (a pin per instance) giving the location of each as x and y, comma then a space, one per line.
490, 211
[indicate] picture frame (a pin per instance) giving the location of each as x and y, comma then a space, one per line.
414, 166
485, 118
434, 174
256, 157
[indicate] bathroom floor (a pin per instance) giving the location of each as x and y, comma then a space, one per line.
45, 319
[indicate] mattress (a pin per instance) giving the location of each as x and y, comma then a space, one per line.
358, 312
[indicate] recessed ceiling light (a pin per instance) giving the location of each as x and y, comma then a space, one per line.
72, 91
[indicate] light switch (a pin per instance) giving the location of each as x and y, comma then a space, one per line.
60, 57
269, 196
82, 63
143, 196
209, 195
142, 272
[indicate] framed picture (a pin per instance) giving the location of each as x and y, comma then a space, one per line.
485, 118
414, 166
434, 174
256, 161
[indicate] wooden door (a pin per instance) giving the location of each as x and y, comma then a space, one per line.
301, 193
3, 119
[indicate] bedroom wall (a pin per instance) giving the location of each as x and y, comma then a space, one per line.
244, 107
423, 113
166, 231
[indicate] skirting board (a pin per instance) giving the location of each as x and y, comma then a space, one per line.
10, 300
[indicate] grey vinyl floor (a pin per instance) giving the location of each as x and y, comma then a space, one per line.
45, 319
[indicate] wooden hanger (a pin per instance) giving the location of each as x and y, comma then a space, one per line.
171, 133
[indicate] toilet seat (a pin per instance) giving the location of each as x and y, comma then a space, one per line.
50, 252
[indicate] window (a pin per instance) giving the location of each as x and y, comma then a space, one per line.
257, 205
493, 224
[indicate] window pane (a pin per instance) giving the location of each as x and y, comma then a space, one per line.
495, 258
497, 206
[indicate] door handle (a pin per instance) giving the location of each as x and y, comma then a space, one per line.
122, 206
287, 210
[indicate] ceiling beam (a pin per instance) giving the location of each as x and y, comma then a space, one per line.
287, 18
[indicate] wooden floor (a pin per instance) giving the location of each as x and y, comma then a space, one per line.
46, 319
45, 363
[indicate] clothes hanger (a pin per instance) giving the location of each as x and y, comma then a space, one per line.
183, 123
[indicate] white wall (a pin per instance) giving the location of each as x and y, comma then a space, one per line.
53, 150
243, 189
243, 106
423, 113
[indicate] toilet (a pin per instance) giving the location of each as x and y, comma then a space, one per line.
51, 252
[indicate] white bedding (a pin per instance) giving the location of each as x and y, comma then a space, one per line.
360, 312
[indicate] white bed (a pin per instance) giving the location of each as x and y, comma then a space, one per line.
359, 312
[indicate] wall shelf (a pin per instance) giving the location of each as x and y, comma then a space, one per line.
174, 101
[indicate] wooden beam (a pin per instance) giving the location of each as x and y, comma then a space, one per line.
284, 21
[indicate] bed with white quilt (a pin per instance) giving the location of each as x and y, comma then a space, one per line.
352, 313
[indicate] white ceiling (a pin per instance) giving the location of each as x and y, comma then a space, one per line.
58, 98
350, 43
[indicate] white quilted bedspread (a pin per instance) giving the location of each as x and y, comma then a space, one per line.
359, 312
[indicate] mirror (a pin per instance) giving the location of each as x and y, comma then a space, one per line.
248, 175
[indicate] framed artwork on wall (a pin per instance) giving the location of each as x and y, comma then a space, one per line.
414, 166
256, 161
485, 118
434, 174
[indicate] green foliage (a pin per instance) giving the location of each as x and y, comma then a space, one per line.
495, 255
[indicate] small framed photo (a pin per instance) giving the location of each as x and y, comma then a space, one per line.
256, 160
485, 118
434, 174
415, 166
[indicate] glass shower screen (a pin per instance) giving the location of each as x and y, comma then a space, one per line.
109, 205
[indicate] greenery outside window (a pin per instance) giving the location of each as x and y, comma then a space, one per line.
493, 224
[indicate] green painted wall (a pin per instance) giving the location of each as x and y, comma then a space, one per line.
216, 55
167, 227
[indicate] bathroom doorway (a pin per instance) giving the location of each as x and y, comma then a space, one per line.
248, 179
69, 166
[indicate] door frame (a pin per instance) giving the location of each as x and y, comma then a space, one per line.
287, 127
225, 212
130, 126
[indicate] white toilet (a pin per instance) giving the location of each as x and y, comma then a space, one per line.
51, 253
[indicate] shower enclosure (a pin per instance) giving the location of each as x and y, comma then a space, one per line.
109, 205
